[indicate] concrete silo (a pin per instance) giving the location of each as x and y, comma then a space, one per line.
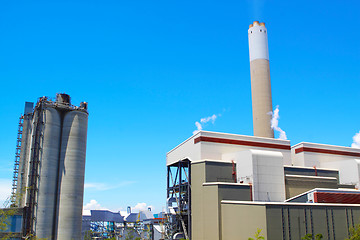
22, 177
48, 172
72, 170
53, 168
260, 80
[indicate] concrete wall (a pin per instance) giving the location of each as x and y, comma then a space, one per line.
311, 171
202, 149
207, 195
295, 185
218, 171
197, 179
344, 159
217, 151
314, 154
265, 171
185, 150
349, 171
240, 220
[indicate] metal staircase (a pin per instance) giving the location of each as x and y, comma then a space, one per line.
17, 160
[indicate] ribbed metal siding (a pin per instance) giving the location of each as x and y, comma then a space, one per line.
71, 177
346, 198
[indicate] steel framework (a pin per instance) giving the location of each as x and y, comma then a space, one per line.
34, 166
179, 194
17, 161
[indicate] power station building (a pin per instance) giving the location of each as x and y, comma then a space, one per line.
48, 181
226, 186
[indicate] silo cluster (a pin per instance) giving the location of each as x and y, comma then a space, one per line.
50, 182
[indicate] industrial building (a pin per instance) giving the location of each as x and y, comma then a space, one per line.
104, 224
48, 181
226, 186
219, 185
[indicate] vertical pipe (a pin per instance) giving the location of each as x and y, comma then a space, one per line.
260, 80
71, 175
167, 183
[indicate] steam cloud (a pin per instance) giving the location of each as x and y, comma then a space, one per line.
356, 140
203, 121
275, 123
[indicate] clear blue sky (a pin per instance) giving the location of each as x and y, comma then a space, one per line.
151, 69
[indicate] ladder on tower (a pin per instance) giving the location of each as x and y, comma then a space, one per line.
17, 161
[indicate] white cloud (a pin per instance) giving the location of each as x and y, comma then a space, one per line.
123, 213
5, 190
141, 207
92, 205
105, 186
356, 140
95, 205
275, 123
199, 125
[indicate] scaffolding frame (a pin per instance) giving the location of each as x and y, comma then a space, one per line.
179, 188
17, 161
32, 189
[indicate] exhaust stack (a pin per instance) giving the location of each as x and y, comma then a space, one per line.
260, 80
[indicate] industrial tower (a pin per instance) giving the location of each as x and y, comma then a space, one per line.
50, 167
260, 80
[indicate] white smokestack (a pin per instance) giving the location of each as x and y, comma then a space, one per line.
260, 80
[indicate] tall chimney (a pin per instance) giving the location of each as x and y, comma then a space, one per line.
260, 80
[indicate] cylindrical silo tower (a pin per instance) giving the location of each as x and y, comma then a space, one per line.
52, 163
48, 173
24, 160
260, 80
71, 176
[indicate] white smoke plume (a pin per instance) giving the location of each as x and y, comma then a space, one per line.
275, 123
205, 120
356, 140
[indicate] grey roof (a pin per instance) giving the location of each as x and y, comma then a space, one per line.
106, 216
86, 218
146, 215
132, 217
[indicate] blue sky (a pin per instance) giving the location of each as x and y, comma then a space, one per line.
151, 69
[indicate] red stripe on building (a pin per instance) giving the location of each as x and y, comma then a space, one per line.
324, 197
240, 142
327, 151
